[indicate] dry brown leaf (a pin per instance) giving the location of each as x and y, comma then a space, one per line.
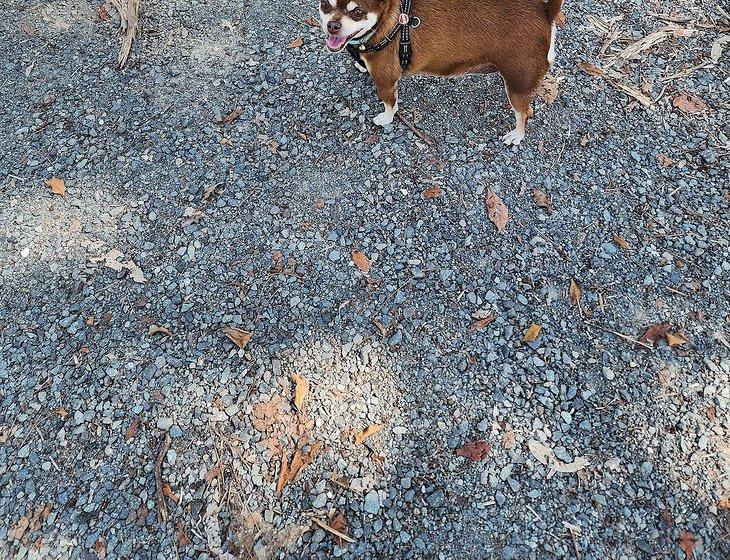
182, 537
654, 333
170, 493
676, 339
433, 192
339, 524
479, 324
549, 89
301, 390
591, 69
688, 542
664, 376
58, 186
367, 432
664, 161
546, 456
381, 327
156, 329
711, 413
585, 139
212, 473
508, 439
497, 211
618, 240
132, 430
574, 292
542, 200
475, 450
62, 412
724, 503
361, 261
102, 12
532, 333
296, 43
330, 528
689, 103
28, 30
17, 531
232, 116
239, 337
100, 548
299, 461
283, 473
310, 21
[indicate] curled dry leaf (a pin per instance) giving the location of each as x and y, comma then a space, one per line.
532, 333
112, 260
301, 390
182, 537
711, 413
367, 432
479, 324
718, 46
548, 91
239, 337
361, 261
132, 430
232, 116
688, 542
290, 470
664, 161
497, 211
542, 200
724, 503
62, 412
100, 548
574, 292
296, 43
618, 240
591, 69
475, 450
676, 339
157, 329
433, 192
170, 493
58, 186
655, 333
689, 103
508, 439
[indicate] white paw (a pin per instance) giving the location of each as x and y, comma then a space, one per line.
385, 118
513, 138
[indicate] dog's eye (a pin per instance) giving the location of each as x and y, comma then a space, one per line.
358, 12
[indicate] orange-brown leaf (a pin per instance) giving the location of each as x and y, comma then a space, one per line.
688, 542
543, 201
239, 337
574, 292
591, 69
508, 439
497, 211
361, 261
296, 43
132, 430
301, 390
170, 493
475, 450
479, 324
532, 333
689, 103
58, 186
433, 192
100, 548
618, 240
676, 339
724, 503
367, 432
655, 332
182, 537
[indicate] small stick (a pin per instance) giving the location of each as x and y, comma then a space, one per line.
618, 334
161, 504
335, 532
415, 131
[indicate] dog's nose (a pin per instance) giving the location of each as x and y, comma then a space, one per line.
334, 27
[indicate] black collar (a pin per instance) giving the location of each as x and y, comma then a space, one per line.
405, 22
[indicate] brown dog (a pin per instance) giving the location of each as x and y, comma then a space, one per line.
448, 38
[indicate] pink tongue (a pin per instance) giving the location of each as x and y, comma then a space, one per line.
335, 42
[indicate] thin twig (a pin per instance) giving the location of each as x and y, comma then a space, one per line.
161, 504
618, 334
415, 130
332, 530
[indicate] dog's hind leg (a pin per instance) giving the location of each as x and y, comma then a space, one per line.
521, 85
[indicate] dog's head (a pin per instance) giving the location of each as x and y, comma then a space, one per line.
345, 20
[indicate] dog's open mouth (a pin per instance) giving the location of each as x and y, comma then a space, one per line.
336, 43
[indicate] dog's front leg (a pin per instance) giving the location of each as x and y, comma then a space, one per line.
388, 90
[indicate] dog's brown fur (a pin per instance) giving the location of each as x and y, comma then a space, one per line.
470, 36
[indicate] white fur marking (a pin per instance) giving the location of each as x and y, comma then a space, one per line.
351, 6
386, 117
333, 3
551, 52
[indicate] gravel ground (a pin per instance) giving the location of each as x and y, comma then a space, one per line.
251, 224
